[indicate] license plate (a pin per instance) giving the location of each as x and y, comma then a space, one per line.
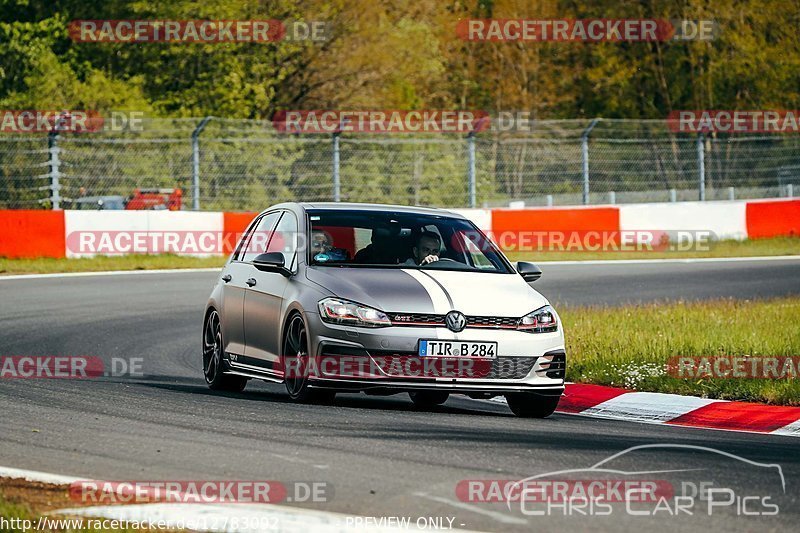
440, 348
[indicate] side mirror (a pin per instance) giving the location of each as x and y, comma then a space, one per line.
529, 271
271, 261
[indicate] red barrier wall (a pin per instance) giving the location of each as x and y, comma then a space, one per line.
569, 221
773, 219
234, 225
32, 233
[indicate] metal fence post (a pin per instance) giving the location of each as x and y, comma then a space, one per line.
55, 173
701, 165
471, 169
585, 159
196, 163
337, 184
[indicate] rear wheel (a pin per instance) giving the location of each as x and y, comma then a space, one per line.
528, 405
428, 399
212, 358
296, 367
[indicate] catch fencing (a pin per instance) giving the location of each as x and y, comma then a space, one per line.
229, 164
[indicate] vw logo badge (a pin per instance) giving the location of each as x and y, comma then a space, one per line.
456, 321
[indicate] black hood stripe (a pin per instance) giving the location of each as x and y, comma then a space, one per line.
388, 289
446, 294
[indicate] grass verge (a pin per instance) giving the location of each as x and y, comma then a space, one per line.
48, 265
747, 248
630, 346
23, 503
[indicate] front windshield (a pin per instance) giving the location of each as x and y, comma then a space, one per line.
400, 240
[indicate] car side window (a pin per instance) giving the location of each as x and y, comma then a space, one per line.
256, 242
284, 239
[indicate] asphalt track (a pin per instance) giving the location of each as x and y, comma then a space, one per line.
380, 456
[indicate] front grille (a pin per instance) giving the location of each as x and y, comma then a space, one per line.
491, 322
432, 320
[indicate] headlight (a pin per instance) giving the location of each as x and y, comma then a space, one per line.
543, 320
338, 311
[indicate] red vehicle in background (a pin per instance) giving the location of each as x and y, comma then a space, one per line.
141, 199
155, 199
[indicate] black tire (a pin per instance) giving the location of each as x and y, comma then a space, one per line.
428, 399
295, 356
216, 379
528, 405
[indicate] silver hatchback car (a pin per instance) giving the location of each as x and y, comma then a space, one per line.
337, 297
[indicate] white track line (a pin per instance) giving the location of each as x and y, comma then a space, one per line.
41, 477
109, 273
676, 260
588, 262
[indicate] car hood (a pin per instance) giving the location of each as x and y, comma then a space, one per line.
410, 290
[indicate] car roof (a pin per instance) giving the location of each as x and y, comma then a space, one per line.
96, 198
353, 206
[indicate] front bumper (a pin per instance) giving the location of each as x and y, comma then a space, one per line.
526, 362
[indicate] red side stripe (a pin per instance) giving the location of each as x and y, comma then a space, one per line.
739, 415
578, 397
32, 233
773, 219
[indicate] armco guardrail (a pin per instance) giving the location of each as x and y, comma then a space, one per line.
38, 233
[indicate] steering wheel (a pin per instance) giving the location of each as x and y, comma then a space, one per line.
439, 262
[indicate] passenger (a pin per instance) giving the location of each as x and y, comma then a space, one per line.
382, 249
322, 248
320, 241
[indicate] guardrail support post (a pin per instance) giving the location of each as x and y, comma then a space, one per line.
789, 191
673, 195
471, 169
585, 159
196, 163
55, 173
701, 165
337, 184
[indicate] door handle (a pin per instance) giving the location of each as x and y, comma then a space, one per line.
250, 282
226, 278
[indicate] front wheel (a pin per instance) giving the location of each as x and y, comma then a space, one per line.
295, 365
529, 405
212, 358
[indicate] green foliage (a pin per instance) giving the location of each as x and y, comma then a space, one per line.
396, 54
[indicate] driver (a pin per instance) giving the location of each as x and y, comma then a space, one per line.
426, 250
